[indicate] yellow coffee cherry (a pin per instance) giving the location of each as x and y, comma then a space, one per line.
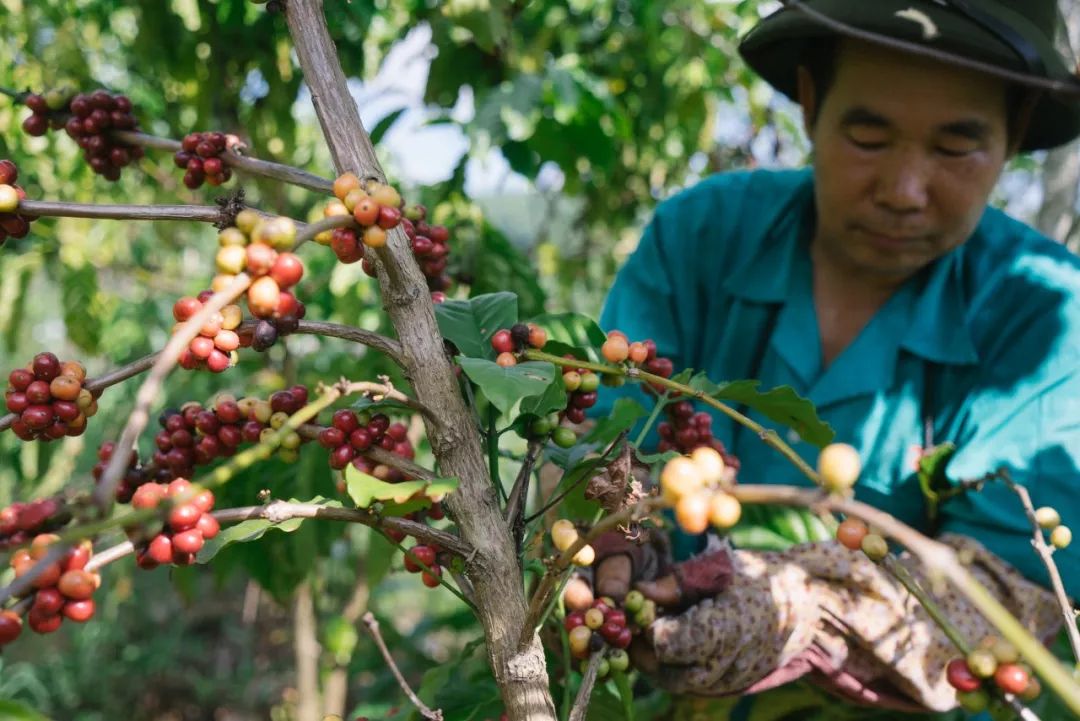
232, 236
692, 512
839, 467
563, 534
246, 220
1061, 537
875, 547
724, 510
1048, 518
585, 556
710, 464
679, 478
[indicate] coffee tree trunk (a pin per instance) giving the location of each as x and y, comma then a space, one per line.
493, 569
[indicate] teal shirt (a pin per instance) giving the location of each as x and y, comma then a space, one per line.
985, 343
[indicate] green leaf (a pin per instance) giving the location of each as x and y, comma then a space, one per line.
340, 639
552, 399
82, 312
384, 125
252, 530
365, 489
932, 478
15, 711
506, 387
626, 693
781, 404
469, 324
244, 532
625, 413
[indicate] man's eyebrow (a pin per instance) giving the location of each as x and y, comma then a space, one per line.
860, 115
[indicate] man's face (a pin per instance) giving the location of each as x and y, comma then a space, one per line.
907, 151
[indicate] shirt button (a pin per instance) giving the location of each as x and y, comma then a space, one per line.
793, 436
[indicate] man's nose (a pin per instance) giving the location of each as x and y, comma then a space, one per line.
903, 182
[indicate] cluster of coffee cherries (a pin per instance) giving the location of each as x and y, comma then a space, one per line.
564, 534
12, 224
50, 399
1050, 520
134, 475
695, 485
424, 559
430, 246
195, 436
603, 627
200, 156
63, 590
350, 434
376, 208
20, 522
993, 659
686, 429
92, 119
188, 523
260, 246
215, 348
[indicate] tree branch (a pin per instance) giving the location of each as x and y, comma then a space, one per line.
56, 209
520, 674
373, 629
243, 163
313, 229
390, 347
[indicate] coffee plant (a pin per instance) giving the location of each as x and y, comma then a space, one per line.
416, 453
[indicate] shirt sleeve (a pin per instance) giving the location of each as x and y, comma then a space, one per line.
1023, 415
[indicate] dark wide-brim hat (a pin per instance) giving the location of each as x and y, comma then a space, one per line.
1012, 39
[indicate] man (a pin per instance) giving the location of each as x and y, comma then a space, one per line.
880, 286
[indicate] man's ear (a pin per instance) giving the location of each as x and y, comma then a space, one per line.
807, 98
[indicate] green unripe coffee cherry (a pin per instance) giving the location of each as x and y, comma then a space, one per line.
973, 701
564, 437
541, 427
875, 547
288, 456
999, 711
589, 382
634, 601
646, 614
619, 660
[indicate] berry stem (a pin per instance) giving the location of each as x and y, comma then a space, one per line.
428, 569
105, 493
373, 629
313, 229
657, 407
767, 435
941, 562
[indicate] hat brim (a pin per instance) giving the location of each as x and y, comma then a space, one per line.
776, 46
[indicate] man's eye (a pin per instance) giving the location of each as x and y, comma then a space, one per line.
952, 151
867, 141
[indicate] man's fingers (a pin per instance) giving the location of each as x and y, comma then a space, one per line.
664, 591
613, 576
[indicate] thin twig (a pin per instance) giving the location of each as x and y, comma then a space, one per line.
1046, 554
390, 347
581, 702
386, 391
104, 494
515, 506
313, 229
373, 628
243, 163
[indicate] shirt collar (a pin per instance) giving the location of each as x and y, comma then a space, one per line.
937, 329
